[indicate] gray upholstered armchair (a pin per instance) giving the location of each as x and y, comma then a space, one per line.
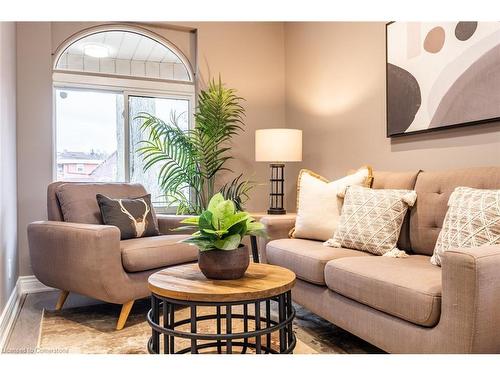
88, 258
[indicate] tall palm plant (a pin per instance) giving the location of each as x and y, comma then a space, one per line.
192, 159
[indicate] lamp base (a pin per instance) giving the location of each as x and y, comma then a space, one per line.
276, 211
276, 197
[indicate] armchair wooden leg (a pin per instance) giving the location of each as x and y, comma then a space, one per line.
62, 298
126, 307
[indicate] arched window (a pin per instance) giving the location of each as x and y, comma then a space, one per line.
124, 53
103, 78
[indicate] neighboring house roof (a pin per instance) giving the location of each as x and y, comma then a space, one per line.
79, 161
106, 167
78, 155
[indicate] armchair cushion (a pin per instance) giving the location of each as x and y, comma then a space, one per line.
167, 223
78, 200
141, 254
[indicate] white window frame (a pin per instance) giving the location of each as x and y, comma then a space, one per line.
127, 87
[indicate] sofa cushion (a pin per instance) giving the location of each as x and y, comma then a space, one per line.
78, 200
408, 288
306, 258
141, 254
433, 191
394, 180
398, 180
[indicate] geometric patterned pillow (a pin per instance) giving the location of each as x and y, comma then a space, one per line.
472, 220
371, 220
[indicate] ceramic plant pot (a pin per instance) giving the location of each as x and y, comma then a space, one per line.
224, 264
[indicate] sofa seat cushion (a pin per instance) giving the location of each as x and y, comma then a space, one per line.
146, 253
306, 258
408, 288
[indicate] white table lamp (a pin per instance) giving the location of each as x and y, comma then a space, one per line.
278, 146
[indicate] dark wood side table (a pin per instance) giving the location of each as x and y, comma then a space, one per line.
255, 249
246, 300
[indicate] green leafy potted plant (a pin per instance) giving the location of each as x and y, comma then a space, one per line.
221, 229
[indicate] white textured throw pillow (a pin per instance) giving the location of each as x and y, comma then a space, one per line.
318, 205
472, 220
371, 220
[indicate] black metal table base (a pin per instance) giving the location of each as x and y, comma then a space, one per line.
259, 339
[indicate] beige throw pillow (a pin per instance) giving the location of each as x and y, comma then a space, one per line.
371, 220
318, 206
472, 220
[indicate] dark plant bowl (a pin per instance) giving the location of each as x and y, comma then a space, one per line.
224, 264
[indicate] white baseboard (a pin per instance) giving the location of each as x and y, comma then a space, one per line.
9, 315
24, 285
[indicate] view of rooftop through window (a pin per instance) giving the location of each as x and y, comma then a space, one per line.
89, 133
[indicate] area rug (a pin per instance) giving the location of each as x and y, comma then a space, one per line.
91, 330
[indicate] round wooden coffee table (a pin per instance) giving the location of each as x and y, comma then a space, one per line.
238, 312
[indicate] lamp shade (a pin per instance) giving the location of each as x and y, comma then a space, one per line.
278, 145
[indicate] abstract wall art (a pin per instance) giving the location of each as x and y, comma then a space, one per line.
441, 75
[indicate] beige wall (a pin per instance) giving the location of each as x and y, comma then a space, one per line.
8, 200
335, 92
34, 129
249, 56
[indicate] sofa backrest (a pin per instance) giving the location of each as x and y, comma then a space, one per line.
433, 191
77, 200
398, 180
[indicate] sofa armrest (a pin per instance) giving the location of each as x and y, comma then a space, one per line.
471, 297
277, 226
168, 222
82, 258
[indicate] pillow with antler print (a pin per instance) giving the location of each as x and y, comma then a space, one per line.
133, 216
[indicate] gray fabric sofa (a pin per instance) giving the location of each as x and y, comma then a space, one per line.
402, 305
88, 258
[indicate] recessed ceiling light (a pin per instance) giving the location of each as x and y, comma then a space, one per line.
96, 50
